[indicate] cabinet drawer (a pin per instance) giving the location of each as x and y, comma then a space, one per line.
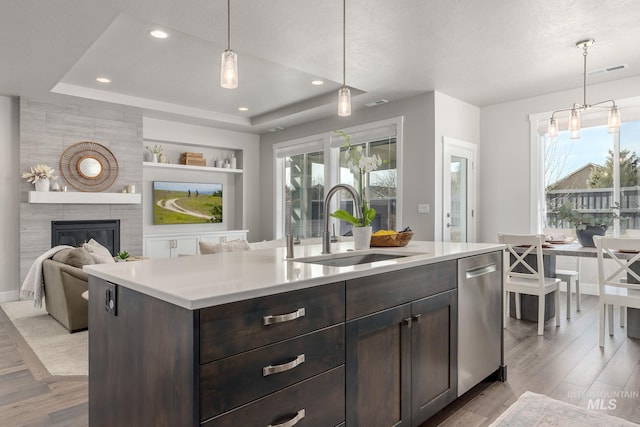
240, 326
318, 401
370, 294
230, 382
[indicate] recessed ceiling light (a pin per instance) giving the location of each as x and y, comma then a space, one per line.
103, 80
276, 129
317, 82
159, 34
243, 109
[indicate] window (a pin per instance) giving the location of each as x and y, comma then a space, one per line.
309, 167
381, 188
579, 174
304, 193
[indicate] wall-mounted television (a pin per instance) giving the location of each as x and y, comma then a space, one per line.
186, 202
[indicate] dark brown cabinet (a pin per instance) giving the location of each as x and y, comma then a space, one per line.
274, 360
434, 354
401, 361
373, 351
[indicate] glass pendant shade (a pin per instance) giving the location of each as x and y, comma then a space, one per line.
344, 102
574, 124
614, 119
552, 130
229, 70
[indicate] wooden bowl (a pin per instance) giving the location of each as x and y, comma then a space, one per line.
391, 240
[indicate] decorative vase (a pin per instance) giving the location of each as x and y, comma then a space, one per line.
585, 237
361, 237
154, 157
42, 184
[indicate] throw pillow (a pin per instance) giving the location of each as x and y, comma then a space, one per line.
268, 244
232, 246
75, 257
99, 253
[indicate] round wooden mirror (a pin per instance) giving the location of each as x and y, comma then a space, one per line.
89, 166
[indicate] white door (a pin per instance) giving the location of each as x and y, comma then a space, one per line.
458, 194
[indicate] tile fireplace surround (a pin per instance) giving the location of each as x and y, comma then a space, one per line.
46, 130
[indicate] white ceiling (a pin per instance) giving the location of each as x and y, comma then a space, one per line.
482, 52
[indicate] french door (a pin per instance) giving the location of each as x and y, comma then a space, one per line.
459, 191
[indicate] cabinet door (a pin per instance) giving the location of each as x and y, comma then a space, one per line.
378, 369
157, 248
434, 350
185, 246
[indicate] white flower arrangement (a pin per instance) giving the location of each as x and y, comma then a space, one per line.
38, 172
157, 149
359, 165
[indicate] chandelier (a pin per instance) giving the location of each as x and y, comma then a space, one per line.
574, 115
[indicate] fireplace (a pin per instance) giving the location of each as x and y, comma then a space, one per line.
75, 233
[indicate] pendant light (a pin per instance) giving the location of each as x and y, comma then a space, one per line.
574, 115
229, 67
344, 94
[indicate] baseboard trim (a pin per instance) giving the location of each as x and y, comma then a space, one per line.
9, 296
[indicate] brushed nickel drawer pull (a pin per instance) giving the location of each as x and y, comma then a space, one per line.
293, 421
268, 320
269, 370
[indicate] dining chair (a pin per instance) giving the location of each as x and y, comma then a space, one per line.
568, 276
612, 290
524, 274
571, 274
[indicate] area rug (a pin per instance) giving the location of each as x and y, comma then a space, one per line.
59, 351
533, 409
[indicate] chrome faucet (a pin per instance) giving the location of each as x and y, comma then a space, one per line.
326, 241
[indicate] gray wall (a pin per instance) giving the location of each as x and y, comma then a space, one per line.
427, 118
418, 157
10, 212
46, 130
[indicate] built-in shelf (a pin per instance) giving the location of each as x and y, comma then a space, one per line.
84, 198
189, 167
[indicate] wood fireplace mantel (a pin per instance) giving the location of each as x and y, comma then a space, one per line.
72, 197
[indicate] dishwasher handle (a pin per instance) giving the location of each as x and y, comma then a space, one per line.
471, 273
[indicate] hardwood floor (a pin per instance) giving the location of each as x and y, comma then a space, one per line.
566, 364
29, 396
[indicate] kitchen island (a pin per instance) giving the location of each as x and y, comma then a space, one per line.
249, 338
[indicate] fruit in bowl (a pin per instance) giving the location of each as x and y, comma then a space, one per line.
391, 238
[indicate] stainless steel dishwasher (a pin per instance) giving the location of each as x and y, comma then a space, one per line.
480, 346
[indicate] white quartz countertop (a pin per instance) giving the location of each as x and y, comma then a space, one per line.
200, 281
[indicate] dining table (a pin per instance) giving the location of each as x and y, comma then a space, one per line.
551, 250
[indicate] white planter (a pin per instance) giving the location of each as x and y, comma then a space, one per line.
42, 184
361, 237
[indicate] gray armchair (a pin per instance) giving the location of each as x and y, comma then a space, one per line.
64, 284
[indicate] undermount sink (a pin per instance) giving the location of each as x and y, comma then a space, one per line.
347, 259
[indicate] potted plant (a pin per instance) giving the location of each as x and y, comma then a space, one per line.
122, 256
359, 165
155, 151
40, 175
587, 225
